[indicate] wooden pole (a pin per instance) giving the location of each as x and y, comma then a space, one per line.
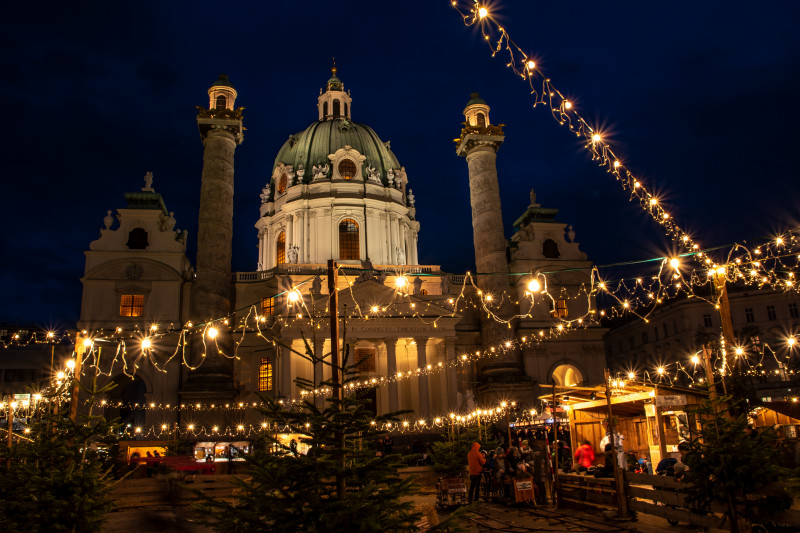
721, 284
338, 386
10, 429
554, 458
712, 389
73, 405
619, 475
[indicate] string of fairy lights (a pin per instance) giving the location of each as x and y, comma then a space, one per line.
770, 265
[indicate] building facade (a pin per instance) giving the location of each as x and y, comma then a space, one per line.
336, 191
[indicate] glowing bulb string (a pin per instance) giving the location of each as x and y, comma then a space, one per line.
565, 114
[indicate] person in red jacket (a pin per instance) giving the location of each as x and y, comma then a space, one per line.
585, 456
475, 460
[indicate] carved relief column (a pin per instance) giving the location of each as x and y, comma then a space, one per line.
452, 375
302, 240
289, 233
422, 380
391, 256
391, 371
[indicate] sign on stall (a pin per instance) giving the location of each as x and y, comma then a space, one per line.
669, 400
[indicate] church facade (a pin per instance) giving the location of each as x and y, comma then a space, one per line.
336, 192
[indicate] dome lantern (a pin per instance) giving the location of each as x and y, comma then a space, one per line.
222, 95
334, 102
477, 112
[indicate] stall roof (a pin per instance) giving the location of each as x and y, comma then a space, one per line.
627, 400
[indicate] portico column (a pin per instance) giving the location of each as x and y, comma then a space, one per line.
422, 380
289, 233
391, 259
452, 376
391, 370
286, 370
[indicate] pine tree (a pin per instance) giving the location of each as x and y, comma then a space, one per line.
339, 485
58, 479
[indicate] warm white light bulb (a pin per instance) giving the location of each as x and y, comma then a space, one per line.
146, 344
695, 359
71, 364
482, 12
531, 64
674, 262
400, 282
212, 333
567, 104
534, 286
596, 138
294, 296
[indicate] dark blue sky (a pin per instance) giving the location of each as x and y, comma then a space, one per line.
699, 99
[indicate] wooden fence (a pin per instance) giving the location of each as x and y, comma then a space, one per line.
662, 496
171, 491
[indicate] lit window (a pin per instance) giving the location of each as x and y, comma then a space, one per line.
131, 305
560, 309
267, 306
265, 375
280, 248
423, 292
348, 239
347, 169
282, 184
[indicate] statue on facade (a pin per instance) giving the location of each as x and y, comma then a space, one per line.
411, 198
390, 177
373, 174
571, 234
265, 195
316, 286
148, 182
301, 172
445, 281
320, 171
293, 253
401, 255
417, 285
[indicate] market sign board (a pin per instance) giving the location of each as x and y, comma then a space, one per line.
669, 400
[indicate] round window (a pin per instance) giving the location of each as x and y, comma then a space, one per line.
347, 169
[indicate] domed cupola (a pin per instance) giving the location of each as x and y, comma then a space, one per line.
334, 102
337, 178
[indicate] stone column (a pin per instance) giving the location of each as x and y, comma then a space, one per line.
285, 358
422, 381
391, 371
289, 233
452, 373
211, 290
301, 257
391, 258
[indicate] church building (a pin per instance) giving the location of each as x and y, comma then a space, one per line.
178, 335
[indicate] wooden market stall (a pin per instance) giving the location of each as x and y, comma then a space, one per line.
653, 419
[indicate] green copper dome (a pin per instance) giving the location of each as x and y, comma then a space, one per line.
313, 145
475, 98
223, 81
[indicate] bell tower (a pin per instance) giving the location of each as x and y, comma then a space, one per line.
479, 142
220, 128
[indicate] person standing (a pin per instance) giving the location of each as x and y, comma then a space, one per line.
585, 456
475, 460
618, 442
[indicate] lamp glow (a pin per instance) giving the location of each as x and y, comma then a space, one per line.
212, 333
534, 286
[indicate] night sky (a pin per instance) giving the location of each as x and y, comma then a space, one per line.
699, 99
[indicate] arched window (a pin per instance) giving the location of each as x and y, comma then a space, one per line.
265, 375
481, 120
280, 248
324, 109
423, 292
337, 108
346, 111
348, 239
347, 169
567, 376
282, 184
550, 249
137, 239
221, 102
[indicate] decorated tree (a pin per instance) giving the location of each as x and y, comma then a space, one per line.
58, 477
341, 484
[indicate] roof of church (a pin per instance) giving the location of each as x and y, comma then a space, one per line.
145, 200
536, 213
313, 145
223, 81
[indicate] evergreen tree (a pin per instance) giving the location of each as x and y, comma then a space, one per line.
339, 485
58, 478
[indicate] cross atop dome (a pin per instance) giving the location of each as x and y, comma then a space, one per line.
334, 102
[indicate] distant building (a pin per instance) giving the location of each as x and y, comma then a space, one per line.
762, 321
